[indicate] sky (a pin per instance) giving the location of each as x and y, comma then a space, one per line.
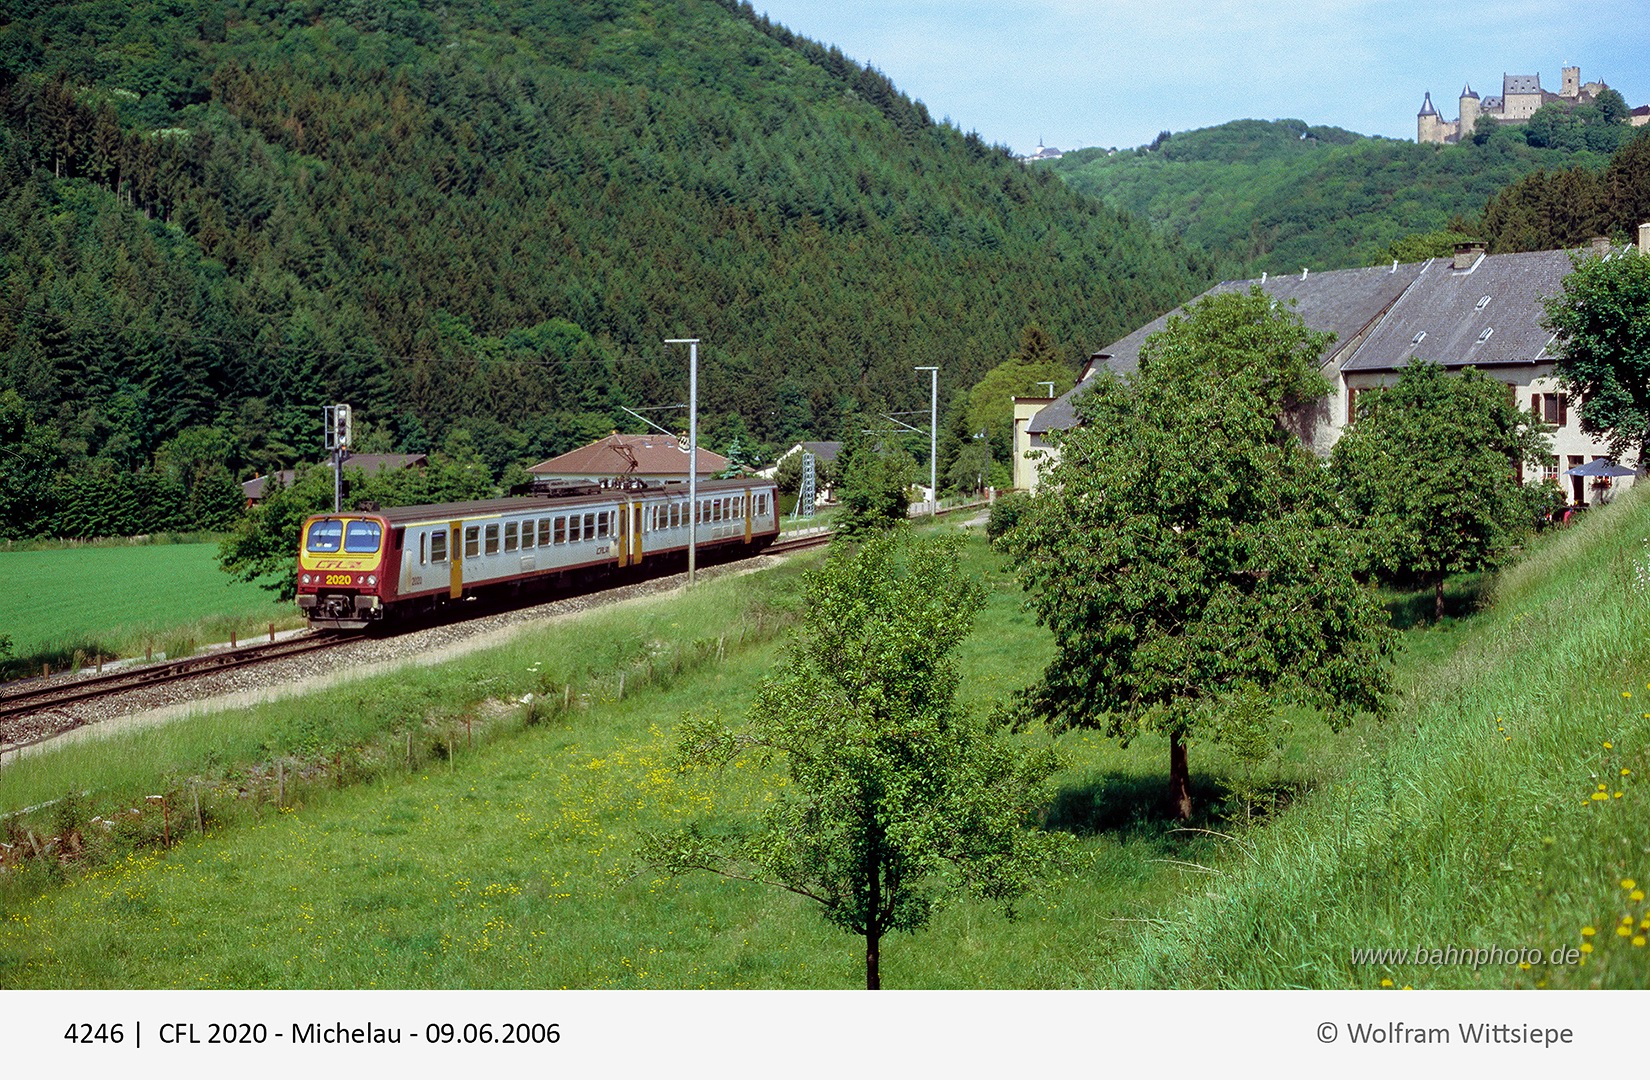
1075, 73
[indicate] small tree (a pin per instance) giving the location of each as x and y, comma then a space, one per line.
1602, 319
874, 491
1186, 550
263, 546
894, 791
1430, 474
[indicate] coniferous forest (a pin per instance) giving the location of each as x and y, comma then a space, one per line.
477, 223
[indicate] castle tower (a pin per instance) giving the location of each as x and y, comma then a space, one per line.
1428, 127
1469, 112
1571, 89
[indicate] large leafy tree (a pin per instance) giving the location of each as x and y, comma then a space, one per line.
1602, 319
894, 791
1187, 551
1430, 474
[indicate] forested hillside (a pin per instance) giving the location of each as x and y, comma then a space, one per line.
477, 222
1279, 195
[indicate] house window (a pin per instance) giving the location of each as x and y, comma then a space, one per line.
1549, 470
1351, 404
1555, 409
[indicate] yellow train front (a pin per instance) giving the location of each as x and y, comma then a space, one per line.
354, 568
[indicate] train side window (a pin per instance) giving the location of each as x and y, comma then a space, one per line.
492, 539
573, 528
675, 515
423, 548
438, 545
602, 522
561, 530
544, 532
472, 541
590, 526
526, 535
512, 536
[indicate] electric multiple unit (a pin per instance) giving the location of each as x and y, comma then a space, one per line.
355, 568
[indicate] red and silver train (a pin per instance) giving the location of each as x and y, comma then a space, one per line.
354, 568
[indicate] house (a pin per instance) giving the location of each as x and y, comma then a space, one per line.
653, 458
825, 454
371, 464
1474, 310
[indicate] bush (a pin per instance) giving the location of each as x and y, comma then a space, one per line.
1005, 514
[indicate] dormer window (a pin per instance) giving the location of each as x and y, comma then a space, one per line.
1416, 340
1483, 302
1485, 336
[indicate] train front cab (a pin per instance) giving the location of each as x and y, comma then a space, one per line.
340, 565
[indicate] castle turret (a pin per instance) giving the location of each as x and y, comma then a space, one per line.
1469, 112
1571, 87
1428, 127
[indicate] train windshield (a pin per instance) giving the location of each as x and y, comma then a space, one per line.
361, 537
325, 536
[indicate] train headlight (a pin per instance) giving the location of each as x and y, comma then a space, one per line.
306, 579
372, 579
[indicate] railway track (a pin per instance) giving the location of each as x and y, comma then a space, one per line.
45, 698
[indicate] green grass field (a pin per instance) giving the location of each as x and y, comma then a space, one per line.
121, 599
437, 833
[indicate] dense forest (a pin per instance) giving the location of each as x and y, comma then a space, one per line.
477, 223
1279, 195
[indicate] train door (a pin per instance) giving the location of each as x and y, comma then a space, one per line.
455, 559
749, 499
621, 533
636, 533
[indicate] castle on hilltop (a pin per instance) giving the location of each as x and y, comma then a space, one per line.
1521, 96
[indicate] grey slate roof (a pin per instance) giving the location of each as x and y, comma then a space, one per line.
1520, 84
1444, 305
1341, 301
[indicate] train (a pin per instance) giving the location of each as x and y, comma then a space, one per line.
357, 568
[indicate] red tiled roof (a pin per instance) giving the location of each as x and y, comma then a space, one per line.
625, 455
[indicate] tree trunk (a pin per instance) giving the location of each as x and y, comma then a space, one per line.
873, 957
1438, 600
873, 915
1180, 778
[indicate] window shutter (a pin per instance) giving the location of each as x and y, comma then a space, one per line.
1563, 409
1535, 407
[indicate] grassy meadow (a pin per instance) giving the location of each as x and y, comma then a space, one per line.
432, 829
119, 599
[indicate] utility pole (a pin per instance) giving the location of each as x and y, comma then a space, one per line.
933, 438
693, 452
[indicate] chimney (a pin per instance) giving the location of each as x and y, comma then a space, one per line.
1644, 238
1600, 245
1468, 253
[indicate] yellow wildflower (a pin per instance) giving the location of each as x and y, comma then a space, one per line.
1628, 883
1588, 931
